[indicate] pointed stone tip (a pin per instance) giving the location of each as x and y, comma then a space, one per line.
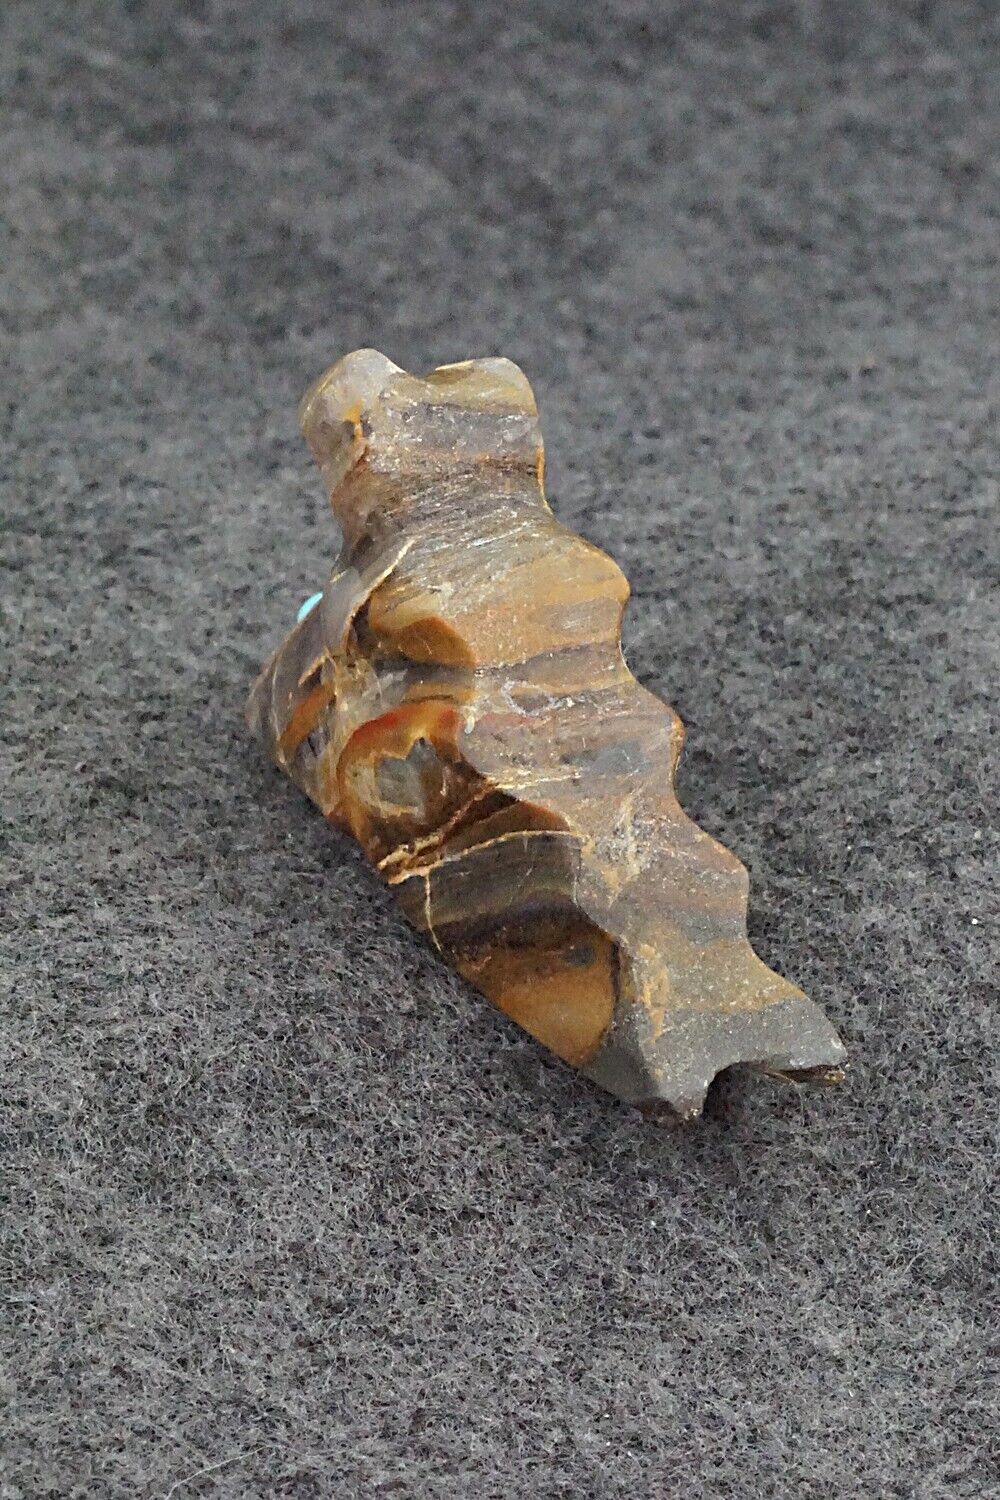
677, 1110
671, 1074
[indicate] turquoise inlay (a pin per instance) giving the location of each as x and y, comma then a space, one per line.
308, 605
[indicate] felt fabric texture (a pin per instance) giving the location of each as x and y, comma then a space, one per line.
288, 1209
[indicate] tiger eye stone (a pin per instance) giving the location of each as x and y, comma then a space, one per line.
458, 702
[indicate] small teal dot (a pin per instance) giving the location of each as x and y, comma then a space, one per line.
304, 608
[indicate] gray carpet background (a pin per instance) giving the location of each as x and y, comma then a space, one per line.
286, 1209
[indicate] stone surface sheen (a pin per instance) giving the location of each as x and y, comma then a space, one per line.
458, 701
